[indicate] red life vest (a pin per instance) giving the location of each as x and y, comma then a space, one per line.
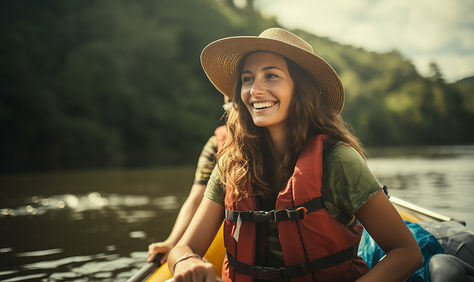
316, 247
220, 134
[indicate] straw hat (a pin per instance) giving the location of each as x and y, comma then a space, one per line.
221, 60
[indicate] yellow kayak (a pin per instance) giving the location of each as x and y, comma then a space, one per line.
216, 251
215, 254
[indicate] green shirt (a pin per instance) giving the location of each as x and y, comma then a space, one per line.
206, 162
347, 184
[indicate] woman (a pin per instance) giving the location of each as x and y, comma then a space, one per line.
295, 178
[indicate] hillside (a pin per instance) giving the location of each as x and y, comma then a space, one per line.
389, 103
466, 88
100, 83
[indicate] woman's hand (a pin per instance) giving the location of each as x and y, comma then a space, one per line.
159, 248
194, 269
184, 260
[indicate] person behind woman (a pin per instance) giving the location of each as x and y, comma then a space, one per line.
295, 178
205, 165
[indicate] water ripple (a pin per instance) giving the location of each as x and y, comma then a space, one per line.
25, 277
52, 264
92, 201
39, 253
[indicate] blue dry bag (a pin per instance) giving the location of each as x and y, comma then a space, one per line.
372, 253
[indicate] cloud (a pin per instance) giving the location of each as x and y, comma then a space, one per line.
422, 30
433, 27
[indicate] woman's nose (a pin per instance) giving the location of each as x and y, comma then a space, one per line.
257, 88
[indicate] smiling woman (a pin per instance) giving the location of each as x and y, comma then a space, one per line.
267, 91
291, 181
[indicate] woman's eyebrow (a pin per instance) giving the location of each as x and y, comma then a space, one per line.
264, 69
271, 67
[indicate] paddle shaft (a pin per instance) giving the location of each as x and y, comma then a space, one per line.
423, 211
148, 268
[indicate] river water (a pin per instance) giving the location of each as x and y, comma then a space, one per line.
96, 225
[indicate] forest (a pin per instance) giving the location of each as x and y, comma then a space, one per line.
87, 84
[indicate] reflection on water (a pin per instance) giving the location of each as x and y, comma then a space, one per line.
93, 201
96, 225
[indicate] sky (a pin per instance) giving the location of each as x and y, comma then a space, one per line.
423, 31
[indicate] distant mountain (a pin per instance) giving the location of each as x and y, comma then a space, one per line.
468, 80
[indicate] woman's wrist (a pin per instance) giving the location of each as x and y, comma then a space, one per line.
170, 242
185, 257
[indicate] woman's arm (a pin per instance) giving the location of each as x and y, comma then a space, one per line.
384, 224
185, 215
196, 240
205, 165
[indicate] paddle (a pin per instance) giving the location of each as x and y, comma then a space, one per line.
423, 211
148, 268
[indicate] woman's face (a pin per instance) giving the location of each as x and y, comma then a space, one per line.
267, 89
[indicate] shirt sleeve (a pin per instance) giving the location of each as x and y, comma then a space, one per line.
347, 183
206, 162
214, 190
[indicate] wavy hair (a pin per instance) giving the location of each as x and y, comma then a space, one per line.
246, 156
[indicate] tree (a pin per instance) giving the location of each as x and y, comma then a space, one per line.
435, 73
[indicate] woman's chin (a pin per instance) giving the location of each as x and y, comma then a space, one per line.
261, 123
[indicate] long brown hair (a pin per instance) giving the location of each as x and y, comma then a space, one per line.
246, 156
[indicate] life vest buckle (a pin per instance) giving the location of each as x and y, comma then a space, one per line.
267, 216
288, 214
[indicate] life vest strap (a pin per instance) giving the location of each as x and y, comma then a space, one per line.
296, 213
287, 272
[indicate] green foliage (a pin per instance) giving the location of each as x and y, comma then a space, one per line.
389, 103
93, 83
466, 89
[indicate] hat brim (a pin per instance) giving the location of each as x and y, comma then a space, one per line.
220, 61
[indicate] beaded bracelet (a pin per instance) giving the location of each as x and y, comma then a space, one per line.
185, 257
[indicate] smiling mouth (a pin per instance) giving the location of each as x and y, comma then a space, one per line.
263, 105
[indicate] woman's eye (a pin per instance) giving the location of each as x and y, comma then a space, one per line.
271, 75
246, 79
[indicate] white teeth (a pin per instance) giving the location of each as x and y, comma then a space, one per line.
262, 105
